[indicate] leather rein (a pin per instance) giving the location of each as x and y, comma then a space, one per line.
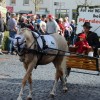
25, 50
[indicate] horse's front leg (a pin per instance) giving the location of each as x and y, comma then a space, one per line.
20, 94
26, 77
29, 97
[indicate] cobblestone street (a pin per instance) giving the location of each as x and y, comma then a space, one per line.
80, 86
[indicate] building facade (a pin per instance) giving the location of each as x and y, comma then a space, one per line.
59, 8
3, 8
22, 6
3, 3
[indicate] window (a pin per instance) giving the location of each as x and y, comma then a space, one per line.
41, 1
13, 1
56, 3
74, 14
62, 13
26, 2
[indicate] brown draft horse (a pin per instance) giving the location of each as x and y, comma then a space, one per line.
30, 61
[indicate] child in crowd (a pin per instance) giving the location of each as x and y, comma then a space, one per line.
82, 45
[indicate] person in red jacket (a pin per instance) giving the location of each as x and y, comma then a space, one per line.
82, 45
61, 25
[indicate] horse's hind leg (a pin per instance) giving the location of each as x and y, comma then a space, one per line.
57, 76
64, 69
59, 63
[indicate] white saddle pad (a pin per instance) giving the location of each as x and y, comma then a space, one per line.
50, 41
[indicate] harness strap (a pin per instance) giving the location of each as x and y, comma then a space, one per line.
36, 40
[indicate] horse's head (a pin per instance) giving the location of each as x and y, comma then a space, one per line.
23, 41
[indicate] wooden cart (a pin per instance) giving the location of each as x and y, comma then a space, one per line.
83, 62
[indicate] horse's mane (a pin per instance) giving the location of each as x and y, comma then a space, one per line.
23, 30
26, 32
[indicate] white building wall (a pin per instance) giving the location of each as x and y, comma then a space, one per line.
49, 4
68, 4
20, 6
71, 4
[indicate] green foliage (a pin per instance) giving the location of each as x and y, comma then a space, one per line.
5, 41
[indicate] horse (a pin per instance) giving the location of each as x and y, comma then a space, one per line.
31, 58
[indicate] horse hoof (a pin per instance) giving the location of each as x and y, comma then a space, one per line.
29, 98
65, 90
52, 95
19, 98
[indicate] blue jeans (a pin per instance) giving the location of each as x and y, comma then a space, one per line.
1, 38
10, 43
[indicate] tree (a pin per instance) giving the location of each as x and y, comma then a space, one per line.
1, 1
36, 4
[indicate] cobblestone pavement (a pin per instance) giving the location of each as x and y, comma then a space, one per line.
80, 86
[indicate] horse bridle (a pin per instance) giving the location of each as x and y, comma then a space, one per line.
25, 50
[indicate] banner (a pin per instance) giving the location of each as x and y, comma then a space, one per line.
89, 14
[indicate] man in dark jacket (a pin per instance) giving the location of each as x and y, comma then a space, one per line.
91, 37
1, 31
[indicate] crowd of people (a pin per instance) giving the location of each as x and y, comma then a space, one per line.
50, 25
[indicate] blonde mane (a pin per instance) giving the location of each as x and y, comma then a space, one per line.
26, 32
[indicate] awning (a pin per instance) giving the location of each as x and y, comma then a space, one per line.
10, 9
24, 12
3, 10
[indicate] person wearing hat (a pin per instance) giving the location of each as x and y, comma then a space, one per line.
91, 37
52, 26
61, 25
82, 45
